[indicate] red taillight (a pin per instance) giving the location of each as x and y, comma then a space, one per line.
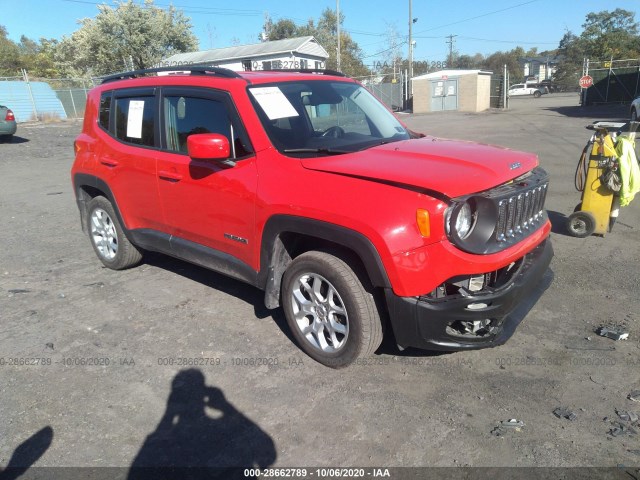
10, 116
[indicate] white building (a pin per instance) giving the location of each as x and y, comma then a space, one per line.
290, 53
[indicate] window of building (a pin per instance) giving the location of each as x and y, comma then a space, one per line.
266, 65
135, 120
304, 63
246, 65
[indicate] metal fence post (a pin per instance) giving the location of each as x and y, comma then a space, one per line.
73, 104
33, 102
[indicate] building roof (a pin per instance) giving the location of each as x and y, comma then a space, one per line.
302, 45
450, 74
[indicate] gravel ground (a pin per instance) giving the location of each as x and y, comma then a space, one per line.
171, 361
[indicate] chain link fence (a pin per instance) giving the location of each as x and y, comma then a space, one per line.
392, 94
33, 98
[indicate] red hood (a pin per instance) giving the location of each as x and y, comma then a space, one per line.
450, 167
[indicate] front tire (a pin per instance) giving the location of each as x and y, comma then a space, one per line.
537, 94
107, 237
634, 115
332, 316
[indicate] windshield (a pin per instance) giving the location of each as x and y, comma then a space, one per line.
311, 118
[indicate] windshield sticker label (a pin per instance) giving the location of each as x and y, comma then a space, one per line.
134, 122
273, 102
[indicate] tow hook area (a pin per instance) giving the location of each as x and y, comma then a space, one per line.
473, 328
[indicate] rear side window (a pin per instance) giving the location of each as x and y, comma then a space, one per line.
105, 110
135, 120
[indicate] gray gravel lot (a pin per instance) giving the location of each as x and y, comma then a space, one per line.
113, 347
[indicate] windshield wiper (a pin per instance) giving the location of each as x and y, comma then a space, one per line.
328, 151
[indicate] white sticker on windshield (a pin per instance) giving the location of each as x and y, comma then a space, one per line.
134, 121
273, 102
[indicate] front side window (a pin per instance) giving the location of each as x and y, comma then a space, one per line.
135, 120
187, 115
324, 117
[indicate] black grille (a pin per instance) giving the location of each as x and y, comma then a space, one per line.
520, 213
505, 214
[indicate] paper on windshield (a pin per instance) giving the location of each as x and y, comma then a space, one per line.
134, 122
273, 102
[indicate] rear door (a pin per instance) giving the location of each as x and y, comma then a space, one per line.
127, 160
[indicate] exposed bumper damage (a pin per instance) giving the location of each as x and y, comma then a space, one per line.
475, 311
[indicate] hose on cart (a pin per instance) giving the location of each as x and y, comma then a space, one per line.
583, 166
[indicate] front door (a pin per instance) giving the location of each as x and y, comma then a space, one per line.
206, 201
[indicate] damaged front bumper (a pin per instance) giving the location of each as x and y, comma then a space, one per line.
477, 312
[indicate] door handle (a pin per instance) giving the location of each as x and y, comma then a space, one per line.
169, 176
109, 162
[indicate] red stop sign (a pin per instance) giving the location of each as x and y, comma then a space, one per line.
586, 81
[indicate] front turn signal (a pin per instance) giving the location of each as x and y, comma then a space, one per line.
424, 225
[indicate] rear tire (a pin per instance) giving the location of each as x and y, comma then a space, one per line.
634, 115
581, 224
537, 94
332, 316
107, 237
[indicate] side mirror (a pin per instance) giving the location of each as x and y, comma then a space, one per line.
208, 146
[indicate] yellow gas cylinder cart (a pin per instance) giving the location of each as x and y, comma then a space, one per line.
597, 178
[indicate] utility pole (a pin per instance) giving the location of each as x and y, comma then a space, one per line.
450, 42
338, 28
410, 44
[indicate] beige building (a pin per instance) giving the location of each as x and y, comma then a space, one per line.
462, 90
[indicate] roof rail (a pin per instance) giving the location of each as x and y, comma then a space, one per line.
198, 70
304, 70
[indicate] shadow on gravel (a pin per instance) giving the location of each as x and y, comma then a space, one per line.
228, 285
201, 436
27, 453
15, 139
558, 223
618, 113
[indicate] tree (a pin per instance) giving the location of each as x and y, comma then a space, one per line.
606, 35
326, 33
610, 35
9, 55
496, 61
129, 36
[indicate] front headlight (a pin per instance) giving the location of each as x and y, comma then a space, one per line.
464, 221
460, 219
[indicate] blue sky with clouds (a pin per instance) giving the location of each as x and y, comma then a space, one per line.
483, 27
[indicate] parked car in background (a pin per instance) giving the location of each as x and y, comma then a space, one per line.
8, 125
522, 89
550, 85
634, 111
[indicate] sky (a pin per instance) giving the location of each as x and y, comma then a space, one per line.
480, 26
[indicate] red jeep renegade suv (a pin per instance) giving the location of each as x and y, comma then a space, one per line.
307, 187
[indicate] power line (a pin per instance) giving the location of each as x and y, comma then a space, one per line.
508, 41
479, 16
189, 9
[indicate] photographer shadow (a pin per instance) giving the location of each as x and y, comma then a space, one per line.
201, 435
27, 453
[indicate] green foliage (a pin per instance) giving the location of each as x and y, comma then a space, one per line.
326, 33
606, 35
129, 36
